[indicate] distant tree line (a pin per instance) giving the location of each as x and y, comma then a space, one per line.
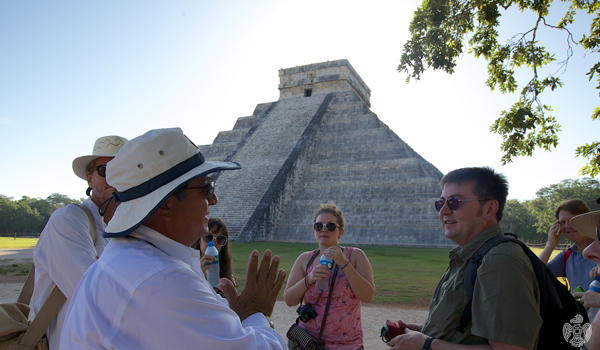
530, 220
30, 215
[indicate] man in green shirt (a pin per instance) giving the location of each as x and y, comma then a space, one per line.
505, 307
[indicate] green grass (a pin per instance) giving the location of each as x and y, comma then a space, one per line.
18, 243
15, 269
401, 274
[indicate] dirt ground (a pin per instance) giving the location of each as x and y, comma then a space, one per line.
373, 315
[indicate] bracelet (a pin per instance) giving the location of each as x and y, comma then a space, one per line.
306, 282
346, 264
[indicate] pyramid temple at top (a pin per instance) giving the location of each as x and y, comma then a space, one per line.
320, 143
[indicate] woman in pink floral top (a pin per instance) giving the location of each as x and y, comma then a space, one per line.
353, 284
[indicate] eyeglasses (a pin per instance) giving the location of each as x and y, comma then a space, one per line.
220, 239
101, 170
209, 190
330, 226
454, 203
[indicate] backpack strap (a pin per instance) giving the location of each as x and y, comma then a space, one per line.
567, 254
471, 277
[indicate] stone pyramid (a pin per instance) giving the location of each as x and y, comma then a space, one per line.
320, 143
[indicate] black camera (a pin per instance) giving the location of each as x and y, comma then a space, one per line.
306, 312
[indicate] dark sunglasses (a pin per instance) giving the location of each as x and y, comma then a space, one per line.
220, 239
330, 226
453, 203
101, 170
209, 190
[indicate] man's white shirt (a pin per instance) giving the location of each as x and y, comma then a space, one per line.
148, 292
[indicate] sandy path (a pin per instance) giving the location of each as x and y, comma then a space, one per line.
373, 315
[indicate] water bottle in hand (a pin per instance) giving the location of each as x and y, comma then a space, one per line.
212, 274
323, 284
595, 285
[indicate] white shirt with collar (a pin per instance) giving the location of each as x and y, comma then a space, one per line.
148, 292
62, 255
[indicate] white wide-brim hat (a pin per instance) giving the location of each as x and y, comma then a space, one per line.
106, 146
586, 223
148, 170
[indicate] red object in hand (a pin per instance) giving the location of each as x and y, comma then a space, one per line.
390, 330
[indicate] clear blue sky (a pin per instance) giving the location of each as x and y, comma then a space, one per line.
72, 71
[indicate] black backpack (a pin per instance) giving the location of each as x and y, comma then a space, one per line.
558, 307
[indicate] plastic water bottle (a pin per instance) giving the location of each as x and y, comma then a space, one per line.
595, 285
212, 274
323, 284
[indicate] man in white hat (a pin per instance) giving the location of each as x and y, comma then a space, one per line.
148, 290
65, 249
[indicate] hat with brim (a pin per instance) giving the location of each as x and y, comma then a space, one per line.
148, 170
586, 223
106, 146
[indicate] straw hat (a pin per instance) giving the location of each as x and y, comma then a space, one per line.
587, 223
148, 170
106, 146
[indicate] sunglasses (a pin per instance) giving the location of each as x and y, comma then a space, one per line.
209, 190
453, 203
330, 226
101, 170
220, 239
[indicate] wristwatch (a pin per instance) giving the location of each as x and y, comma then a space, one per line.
427, 345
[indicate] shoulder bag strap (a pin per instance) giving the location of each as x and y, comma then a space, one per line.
328, 300
27, 291
42, 320
91, 220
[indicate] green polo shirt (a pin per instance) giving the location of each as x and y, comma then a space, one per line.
506, 297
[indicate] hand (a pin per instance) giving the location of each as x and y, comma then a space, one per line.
205, 262
410, 340
588, 299
336, 254
554, 235
594, 272
260, 290
411, 326
318, 273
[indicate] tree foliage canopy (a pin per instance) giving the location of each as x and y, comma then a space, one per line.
29, 215
532, 219
440, 29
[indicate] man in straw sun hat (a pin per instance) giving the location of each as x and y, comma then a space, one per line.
589, 225
148, 290
65, 249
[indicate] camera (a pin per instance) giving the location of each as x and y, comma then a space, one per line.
390, 330
306, 312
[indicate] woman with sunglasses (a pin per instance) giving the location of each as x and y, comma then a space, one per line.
219, 235
353, 283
